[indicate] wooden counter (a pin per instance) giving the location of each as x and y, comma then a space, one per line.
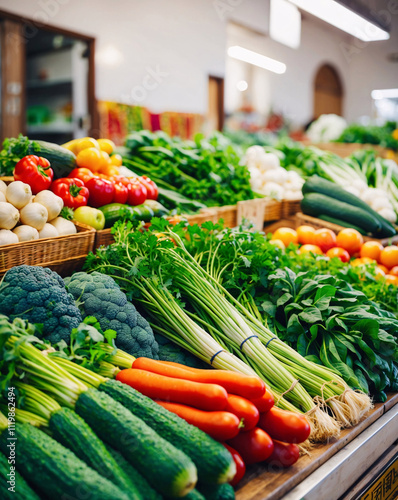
262, 482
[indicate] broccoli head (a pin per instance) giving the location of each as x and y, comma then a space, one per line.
169, 351
39, 295
100, 296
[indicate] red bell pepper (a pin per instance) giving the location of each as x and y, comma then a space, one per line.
121, 193
84, 174
35, 171
137, 192
101, 192
151, 187
72, 191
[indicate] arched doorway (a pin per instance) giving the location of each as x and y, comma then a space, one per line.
328, 92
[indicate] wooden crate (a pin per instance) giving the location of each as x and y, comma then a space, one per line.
302, 219
228, 213
63, 254
290, 208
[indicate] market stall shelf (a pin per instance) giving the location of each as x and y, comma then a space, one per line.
266, 483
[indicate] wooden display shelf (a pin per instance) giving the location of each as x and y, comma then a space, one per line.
263, 482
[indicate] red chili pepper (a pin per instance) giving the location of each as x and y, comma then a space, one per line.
285, 425
72, 191
265, 402
253, 446
151, 187
35, 171
240, 465
121, 193
84, 174
137, 192
101, 192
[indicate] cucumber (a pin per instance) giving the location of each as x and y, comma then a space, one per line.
194, 495
21, 490
72, 431
173, 473
213, 461
316, 184
117, 211
221, 492
141, 484
341, 223
316, 204
61, 159
54, 470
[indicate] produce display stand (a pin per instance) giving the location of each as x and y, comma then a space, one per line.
63, 254
344, 149
303, 219
331, 470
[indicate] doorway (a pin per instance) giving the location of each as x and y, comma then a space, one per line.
328, 92
216, 103
47, 81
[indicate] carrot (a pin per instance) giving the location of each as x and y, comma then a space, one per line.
247, 413
219, 425
265, 403
234, 383
202, 396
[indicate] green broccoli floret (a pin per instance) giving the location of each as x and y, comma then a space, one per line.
169, 351
38, 295
100, 296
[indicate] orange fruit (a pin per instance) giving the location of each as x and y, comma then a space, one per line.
90, 158
391, 279
106, 145
325, 239
362, 261
393, 271
383, 268
86, 142
340, 253
349, 239
389, 256
310, 249
286, 235
305, 235
371, 249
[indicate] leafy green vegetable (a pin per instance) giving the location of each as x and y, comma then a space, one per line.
13, 150
371, 134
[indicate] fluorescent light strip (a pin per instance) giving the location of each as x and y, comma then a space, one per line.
385, 94
343, 18
256, 59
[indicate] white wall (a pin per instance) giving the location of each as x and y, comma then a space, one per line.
185, 40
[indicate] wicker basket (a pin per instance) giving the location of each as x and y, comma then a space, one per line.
228, 213
273, 210
7, 180
302, 219
63, 254
290, 208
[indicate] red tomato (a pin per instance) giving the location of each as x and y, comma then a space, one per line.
101, 192
121, 193
137, 192
285, 426
325, 239
84, 174
151, 187
340, 253
240, 465
265, 403
244, 409
284, 454
253, 446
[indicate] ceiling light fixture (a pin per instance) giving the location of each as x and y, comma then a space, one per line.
242, 85
385, 94
246, 55
343, 18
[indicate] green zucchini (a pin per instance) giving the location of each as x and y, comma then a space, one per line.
341, 223
154, 457
316, 184
117, 211
54, 470
221, 492
72, 431
316, 204
173, 199
141, 484
213, 461
61, 159
194, 495
21, 490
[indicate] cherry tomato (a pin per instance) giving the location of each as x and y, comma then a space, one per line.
265, 403
84, 174
393, 271
371, 249
253, 446
121, 193
310, 249
286, 234
285, 426
284, 454
151, 187
325, 239
101, 192
137, 192
240, 465
244, 409
306, 235
389, 256
349, 239
340, 253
